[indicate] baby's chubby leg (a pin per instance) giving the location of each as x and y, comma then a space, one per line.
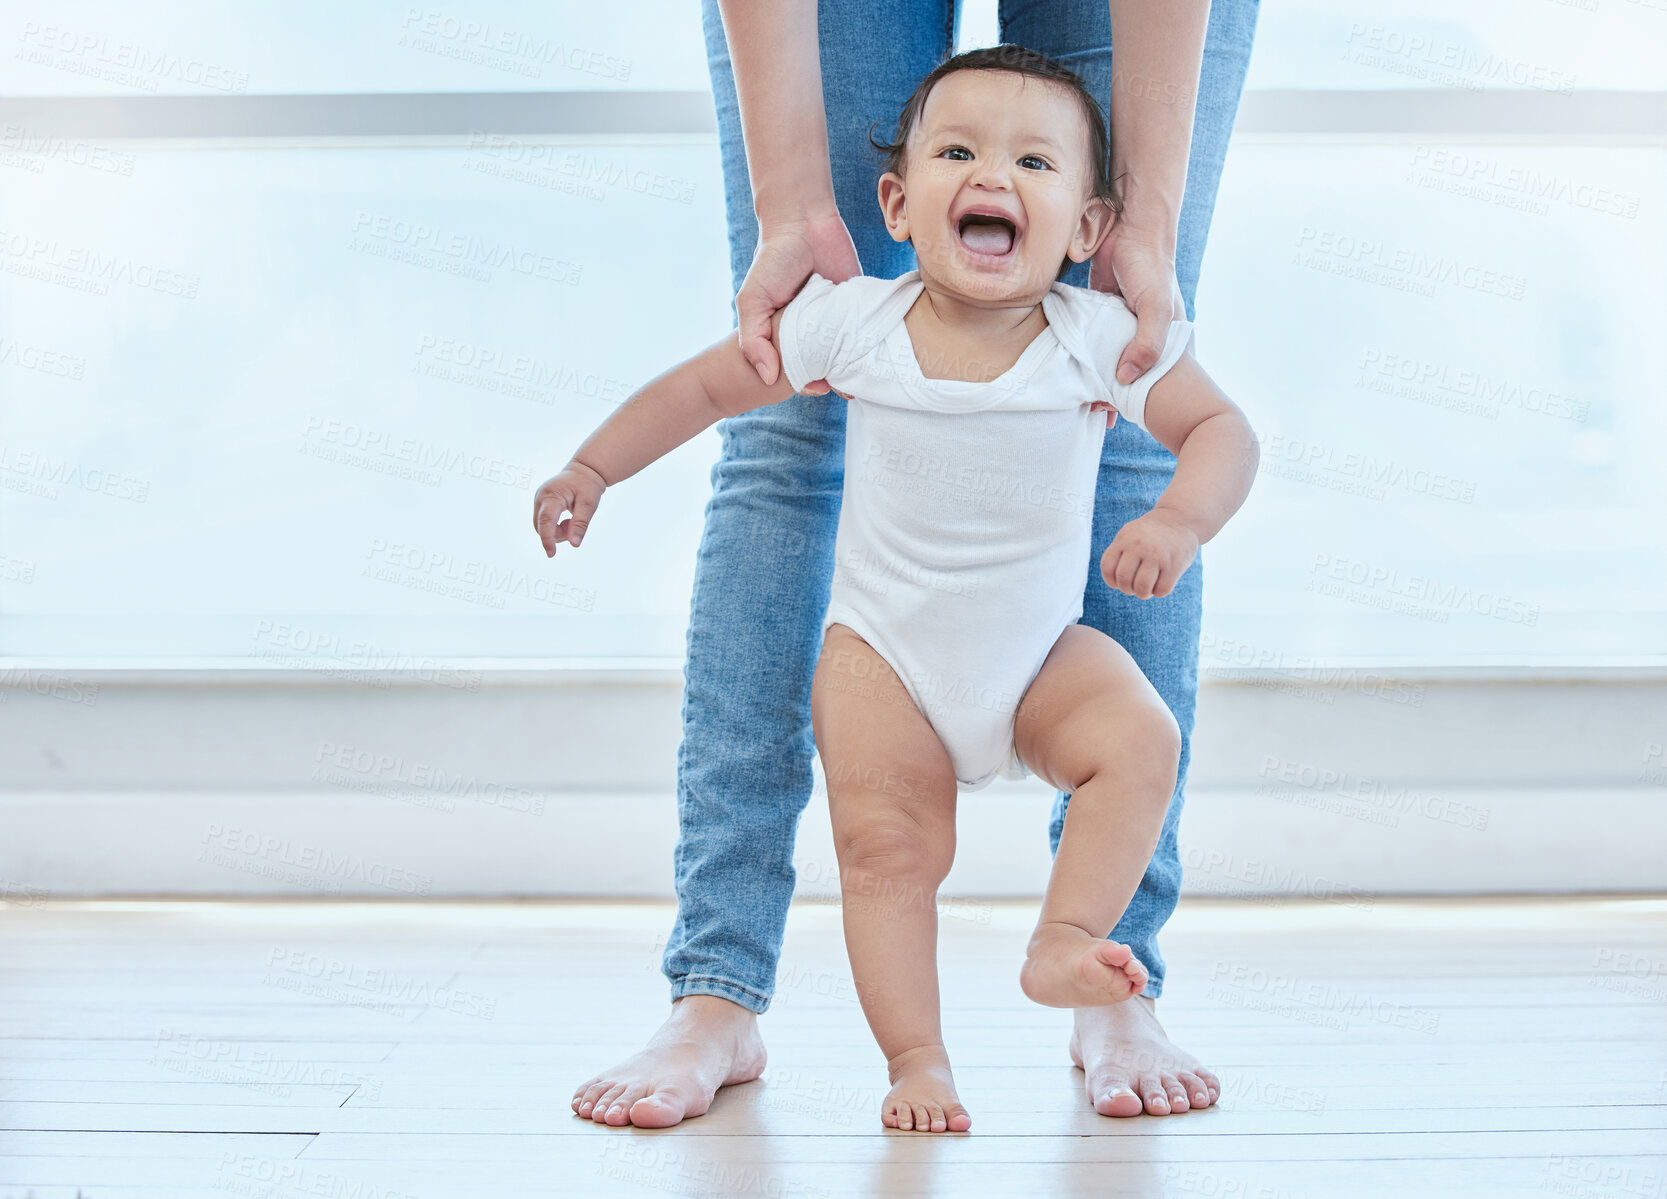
1091, 724
891, 796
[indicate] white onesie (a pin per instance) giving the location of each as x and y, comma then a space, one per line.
964, 530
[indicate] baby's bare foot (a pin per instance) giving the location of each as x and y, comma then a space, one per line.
1065, 966
923, 1097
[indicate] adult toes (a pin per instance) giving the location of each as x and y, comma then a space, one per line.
957, 1118
619, 1111
1177, 1093
599, 1113
1198, 1095
1157, 1099
587, 1101
1208, 1078
1112, 1095
658, 1109
584, 1089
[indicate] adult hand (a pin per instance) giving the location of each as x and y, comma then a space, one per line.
787, 254
1139, 265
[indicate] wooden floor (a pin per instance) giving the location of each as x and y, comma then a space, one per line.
376, 1051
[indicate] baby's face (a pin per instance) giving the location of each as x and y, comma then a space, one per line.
1011, 147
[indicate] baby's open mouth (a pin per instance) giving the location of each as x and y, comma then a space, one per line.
987, 234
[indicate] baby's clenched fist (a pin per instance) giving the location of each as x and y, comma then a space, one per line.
1149, 555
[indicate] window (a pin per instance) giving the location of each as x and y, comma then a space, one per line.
282, 361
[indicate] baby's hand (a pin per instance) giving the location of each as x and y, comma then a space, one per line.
577, 489
1149, 555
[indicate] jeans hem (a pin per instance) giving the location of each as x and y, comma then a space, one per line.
706, 984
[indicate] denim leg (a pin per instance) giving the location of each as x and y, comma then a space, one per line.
765, 562
1161, 634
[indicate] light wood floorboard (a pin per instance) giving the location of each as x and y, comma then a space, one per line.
1510, 1047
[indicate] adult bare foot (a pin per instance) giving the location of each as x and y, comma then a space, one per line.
705, 1043
1132, 1066
923, 1097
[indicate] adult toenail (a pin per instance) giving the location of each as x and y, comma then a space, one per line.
1200, 1097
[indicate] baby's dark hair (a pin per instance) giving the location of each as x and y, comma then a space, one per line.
1021, 61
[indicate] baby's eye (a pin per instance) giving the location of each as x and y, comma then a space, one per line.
948, 149
1047, 166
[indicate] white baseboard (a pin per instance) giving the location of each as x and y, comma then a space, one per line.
1340, 783
1268, 841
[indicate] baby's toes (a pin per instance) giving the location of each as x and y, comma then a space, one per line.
923, 1122
935, 1118
1115, 953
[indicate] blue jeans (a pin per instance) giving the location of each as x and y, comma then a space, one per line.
766, 556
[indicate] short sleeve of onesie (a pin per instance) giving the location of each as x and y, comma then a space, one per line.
1108, 328
822, 327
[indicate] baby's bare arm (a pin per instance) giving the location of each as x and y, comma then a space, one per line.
1216, 454
672, 407
1214, 446
656, 418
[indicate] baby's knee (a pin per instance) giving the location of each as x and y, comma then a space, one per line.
892, 844
1158, 737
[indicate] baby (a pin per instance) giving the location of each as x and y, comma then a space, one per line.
951, 650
